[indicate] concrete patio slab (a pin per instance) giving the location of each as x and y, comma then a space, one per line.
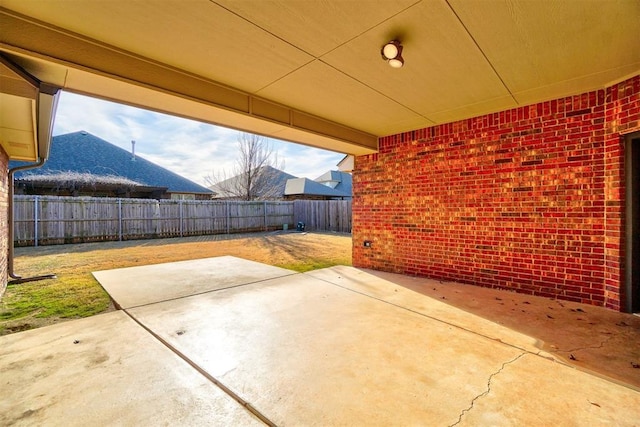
134, 286
337, 346
305, 352
105, 370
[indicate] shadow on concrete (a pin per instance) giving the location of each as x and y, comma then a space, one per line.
591, 338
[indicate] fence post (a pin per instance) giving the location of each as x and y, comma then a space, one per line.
180, 209
35, 221
120, 220
266, 228
228, 210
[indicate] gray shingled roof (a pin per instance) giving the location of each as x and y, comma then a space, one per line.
83, 152
276, 179
343, 180
308, 187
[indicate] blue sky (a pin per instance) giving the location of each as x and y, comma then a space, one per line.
192, 149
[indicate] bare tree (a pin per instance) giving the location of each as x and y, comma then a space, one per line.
255, 175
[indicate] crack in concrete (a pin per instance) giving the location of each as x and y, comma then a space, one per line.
488, 390
593, 347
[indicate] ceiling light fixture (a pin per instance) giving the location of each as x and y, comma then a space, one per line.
392, 53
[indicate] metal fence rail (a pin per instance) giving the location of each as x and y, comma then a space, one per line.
46, 220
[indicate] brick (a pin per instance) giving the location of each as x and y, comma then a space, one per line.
530, 199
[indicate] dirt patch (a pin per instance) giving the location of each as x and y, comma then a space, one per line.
281, 249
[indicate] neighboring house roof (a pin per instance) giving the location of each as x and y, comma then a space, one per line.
276, 179
84, 153
337, 180
307, 187
332, 184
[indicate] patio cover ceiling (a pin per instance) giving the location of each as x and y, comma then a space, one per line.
311, 71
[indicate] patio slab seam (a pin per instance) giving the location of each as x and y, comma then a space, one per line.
247, 405
176, 298
540, 353
159, 282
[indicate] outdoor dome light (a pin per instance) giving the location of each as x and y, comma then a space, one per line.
392, 53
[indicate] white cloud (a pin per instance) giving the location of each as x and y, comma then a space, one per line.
189, 148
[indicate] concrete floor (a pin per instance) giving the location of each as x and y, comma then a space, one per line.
225, 341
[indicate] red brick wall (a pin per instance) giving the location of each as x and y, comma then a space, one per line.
4, 224
528, 199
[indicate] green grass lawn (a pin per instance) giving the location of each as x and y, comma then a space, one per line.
66, 297
75, 293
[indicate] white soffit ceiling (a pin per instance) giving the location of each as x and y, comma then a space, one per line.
17, 115
543, 48
463, 58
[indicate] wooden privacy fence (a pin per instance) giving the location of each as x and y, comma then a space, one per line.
46, 220
325, 215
